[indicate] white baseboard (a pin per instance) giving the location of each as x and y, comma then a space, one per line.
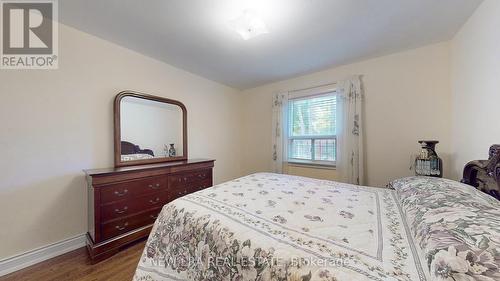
37, 255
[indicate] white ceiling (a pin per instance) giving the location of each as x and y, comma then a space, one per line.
304, 35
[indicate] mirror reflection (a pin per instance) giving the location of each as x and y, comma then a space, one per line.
150, 129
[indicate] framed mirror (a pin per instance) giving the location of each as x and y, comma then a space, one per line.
148, 129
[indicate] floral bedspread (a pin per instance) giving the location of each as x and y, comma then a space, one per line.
456, 227
279, 227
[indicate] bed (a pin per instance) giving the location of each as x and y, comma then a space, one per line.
278, 227
132, 152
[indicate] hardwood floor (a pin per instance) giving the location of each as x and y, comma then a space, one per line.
76, 265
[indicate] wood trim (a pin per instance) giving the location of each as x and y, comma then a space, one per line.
311, 165
124, 170
37, 255
192, 167
96, 213
107, 176
117, 129
75, 266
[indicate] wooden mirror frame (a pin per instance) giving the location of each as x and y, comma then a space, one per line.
117, 130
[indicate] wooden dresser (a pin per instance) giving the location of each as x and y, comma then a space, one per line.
123, 203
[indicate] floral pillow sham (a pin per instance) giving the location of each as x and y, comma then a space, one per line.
456, 226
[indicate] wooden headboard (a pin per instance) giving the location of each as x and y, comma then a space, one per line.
485, 174
130, 148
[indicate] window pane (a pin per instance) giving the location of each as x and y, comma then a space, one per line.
301, 149
324, 149
313, 116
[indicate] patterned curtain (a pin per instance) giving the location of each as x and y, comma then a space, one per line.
279, 149
350, 129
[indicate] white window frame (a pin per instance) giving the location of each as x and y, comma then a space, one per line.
306, 162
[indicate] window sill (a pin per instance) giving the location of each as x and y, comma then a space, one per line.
315, 165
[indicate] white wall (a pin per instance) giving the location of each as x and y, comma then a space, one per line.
151, 125
56, 123
407, 99
475, 79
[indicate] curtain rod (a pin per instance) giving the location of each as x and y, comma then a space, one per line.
311, 88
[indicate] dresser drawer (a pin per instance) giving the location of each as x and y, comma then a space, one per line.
121, 226
190, 188
199, 185
127, 207
126, 190
186, 178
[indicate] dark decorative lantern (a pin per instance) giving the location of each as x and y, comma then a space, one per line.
428, 162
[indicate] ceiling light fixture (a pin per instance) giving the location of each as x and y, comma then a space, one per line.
248, 25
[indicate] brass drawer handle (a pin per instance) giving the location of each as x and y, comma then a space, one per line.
117, 193
122, 227
185, 178
118, 211
153, 216
152, 202
155, 186
201, 176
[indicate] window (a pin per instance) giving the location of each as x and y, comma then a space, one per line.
311, 129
